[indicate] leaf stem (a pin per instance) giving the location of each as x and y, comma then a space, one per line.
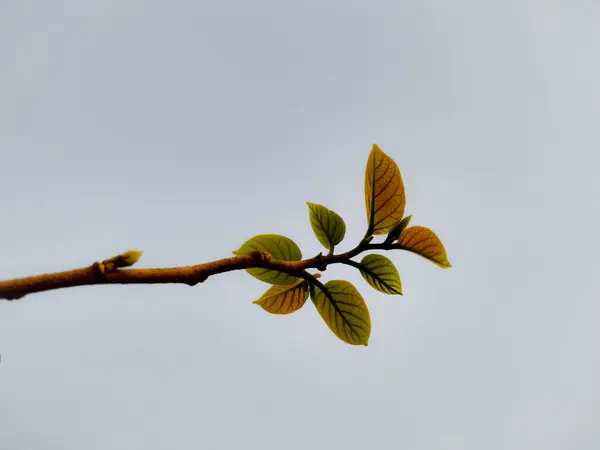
349, 262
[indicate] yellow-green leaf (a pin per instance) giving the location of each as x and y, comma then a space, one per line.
381, 274
424, 242
328, 226
384, 192
279, 247
284, 299
344, 311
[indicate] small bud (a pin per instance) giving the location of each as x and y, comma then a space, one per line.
124, 259
396, 232
129, 258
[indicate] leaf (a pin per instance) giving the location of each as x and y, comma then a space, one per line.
424, 242
381, 274
344, 311
384, 192
279, 247
328, 226
396, 232
284, 299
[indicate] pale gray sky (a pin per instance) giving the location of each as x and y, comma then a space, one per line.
183, 128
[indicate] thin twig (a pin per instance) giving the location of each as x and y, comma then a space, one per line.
98, 273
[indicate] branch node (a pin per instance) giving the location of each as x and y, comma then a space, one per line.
260, 256
99, 270
193, 281
320, 263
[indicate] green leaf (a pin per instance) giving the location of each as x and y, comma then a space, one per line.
284, 299
424, 242
384, 193
381, 274
344, 311
328, 226
396, 232
279, 247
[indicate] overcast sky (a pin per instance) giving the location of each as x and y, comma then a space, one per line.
183, 128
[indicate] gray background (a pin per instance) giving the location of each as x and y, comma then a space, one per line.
183, 128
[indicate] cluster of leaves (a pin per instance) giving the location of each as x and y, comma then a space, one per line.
338, 302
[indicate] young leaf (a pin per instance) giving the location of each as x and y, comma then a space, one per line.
328, 226
384, 192
284, 299
396, 232
344, 311
381, 274
279, 247
424, 242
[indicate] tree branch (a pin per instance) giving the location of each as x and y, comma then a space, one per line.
104, 273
